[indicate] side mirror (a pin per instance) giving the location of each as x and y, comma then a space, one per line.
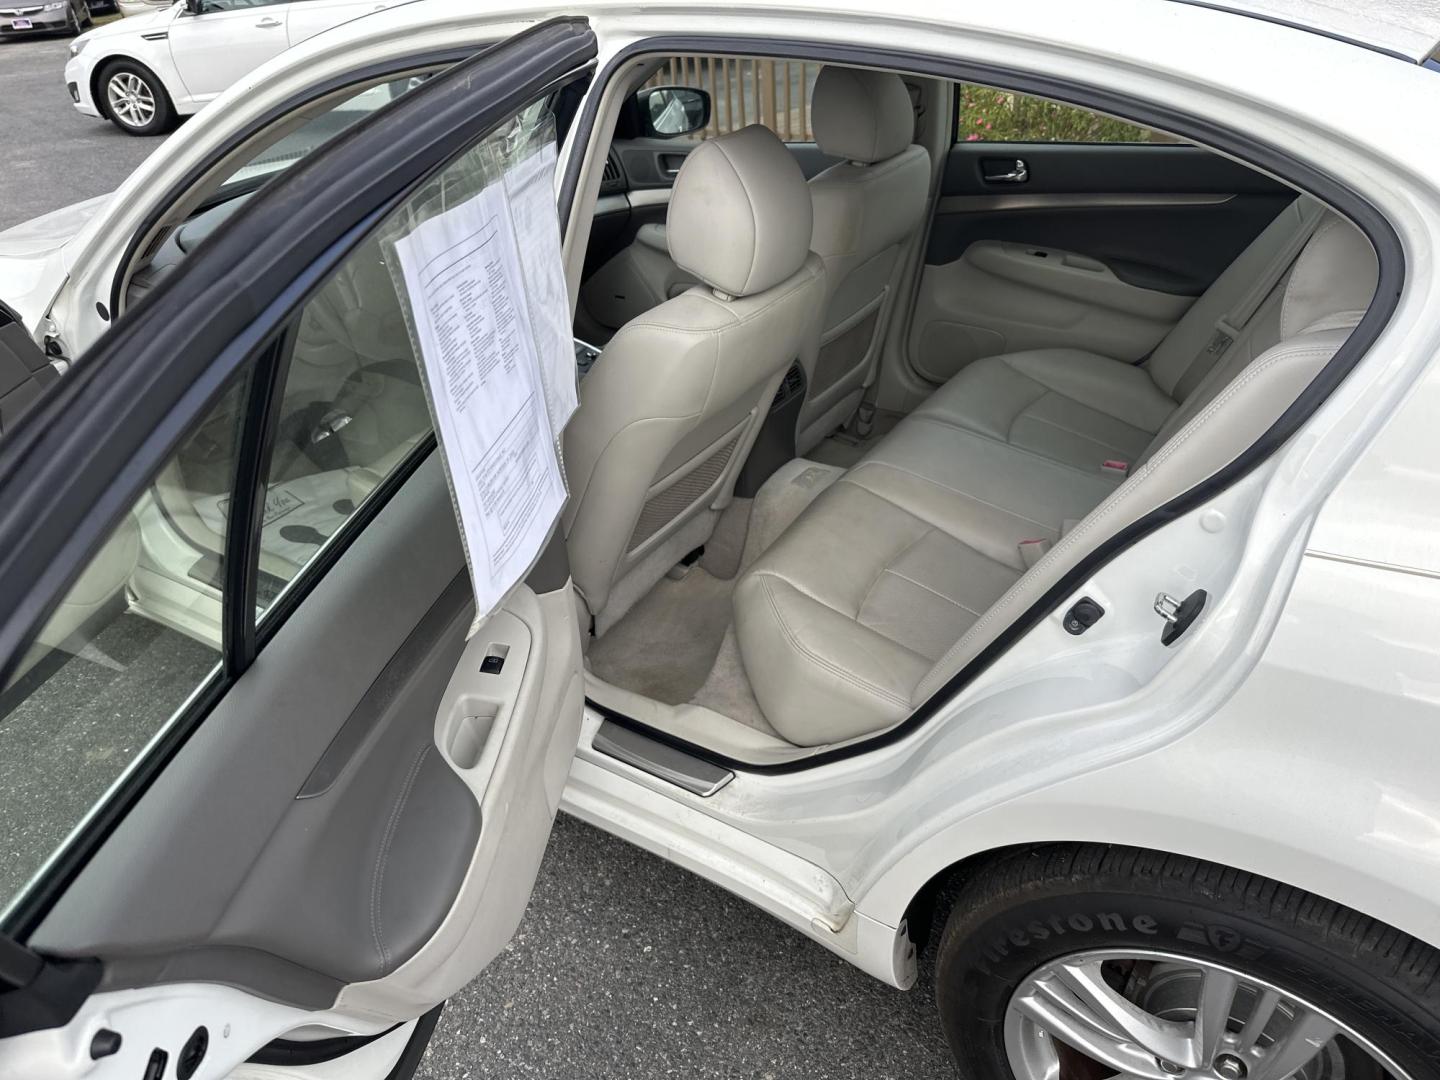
195, 7
667, 112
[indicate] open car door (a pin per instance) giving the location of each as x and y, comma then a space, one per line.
260, 799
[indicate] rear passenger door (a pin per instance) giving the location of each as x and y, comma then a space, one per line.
1060, 227
262, 797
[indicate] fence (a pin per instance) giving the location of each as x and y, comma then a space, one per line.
775, 93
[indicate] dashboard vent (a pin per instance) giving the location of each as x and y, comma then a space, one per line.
611, 178
792, 385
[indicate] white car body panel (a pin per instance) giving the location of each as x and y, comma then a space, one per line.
1291, 733
209, 52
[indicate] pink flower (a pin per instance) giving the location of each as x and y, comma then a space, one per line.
972, 137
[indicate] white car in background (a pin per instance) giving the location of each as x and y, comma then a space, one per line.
143, 71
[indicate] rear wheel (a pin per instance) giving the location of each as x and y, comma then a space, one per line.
1083, 962
134, 99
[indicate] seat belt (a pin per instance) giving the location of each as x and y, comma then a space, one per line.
1230, 325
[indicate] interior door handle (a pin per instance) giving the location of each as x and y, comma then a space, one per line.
1005, 171
267, 22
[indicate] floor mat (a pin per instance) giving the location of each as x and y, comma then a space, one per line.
665, 645
844, 451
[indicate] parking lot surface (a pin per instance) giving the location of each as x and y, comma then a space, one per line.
53, 155
625, 966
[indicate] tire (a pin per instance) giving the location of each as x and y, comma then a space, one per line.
150, 111
1154, 929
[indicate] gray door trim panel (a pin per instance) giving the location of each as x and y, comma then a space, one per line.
193, 882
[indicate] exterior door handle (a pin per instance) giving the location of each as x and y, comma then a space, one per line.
267, 23
1006, 171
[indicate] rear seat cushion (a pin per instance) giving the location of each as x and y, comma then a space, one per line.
1068, 404
844, 615
841, 619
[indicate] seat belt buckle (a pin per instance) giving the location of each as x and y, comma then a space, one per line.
1115, 468
1223, 338
864, 422
1032, 551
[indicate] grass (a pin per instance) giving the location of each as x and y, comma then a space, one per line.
991, 115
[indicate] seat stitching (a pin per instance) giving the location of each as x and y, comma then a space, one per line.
1080, 434
1034, 455
937, 592
834, 669
894, 558
944, 487
378, 880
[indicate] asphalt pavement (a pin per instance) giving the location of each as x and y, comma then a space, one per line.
54, 156
624, 966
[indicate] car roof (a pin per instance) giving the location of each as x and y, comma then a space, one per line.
1409, 29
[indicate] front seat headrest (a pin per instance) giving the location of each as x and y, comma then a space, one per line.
860, 115
740, 213
1332, 282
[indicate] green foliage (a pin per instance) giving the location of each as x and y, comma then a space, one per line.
999, 116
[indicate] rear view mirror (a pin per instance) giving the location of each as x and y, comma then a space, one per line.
667, 112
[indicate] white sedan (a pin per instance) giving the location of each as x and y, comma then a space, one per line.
143, 71
1001, 524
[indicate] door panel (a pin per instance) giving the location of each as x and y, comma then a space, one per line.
1101, 247
345, 825
213, 49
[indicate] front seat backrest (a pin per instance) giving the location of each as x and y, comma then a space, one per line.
669, 411
866, 209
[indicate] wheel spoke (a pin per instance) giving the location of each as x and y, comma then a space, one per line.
1062, 1012
1259, 1019
1302, 1040
1212, 1013
1110, 1011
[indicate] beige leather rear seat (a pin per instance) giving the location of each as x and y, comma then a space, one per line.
1083, 408
879, 590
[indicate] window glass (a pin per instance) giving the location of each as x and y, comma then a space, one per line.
236, 5
775, 93
985, 114
135, 636
291, 142
353, 405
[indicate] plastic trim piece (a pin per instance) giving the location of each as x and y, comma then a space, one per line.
670, 763
1306, 177
291, 1054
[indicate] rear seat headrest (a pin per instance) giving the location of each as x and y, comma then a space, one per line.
861, 115
740, 213
1332, 281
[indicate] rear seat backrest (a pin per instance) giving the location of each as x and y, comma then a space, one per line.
1321, 291
1181, 361
1319, 303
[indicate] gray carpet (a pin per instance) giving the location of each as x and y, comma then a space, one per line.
664, 646
677, 644
844, 450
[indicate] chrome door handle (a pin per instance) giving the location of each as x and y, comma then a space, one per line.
267, 23
1018, 173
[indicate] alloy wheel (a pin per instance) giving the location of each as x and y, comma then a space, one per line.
130, 99
1130, 1014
